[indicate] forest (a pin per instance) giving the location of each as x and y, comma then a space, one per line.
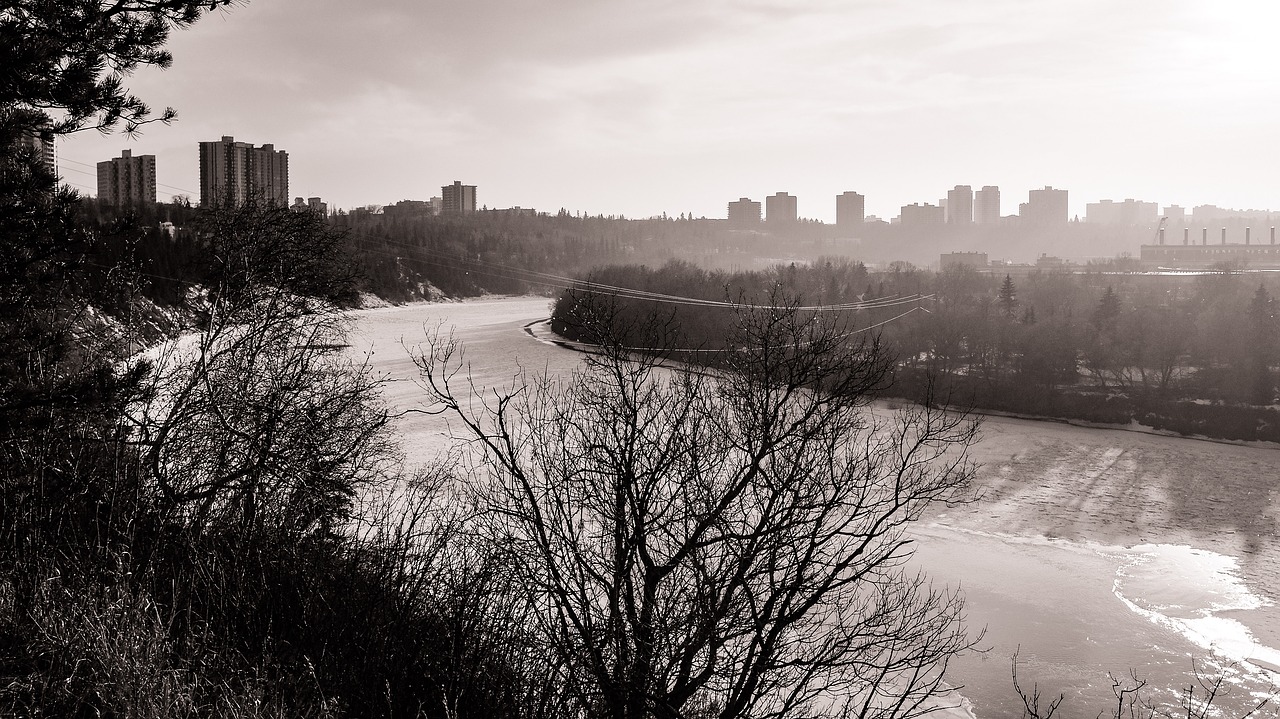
1192, 354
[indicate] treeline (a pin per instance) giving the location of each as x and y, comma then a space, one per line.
406, 257
402, 256
501, 251
1191, 354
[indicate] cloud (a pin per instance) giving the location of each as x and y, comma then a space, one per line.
592, 103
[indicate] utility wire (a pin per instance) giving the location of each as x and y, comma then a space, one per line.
632, 293
62, 159
806, 343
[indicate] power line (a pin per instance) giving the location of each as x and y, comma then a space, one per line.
62, 159
806, 343
632, 293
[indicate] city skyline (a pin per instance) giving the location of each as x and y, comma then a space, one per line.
230, 166
613, 110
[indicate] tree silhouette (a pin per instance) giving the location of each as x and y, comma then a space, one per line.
1262, 348
723, 545
71, 57
1007, 298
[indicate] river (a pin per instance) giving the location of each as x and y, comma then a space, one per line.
1091, 551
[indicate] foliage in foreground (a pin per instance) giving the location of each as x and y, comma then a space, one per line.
723, 544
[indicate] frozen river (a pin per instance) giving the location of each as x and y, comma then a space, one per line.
1093, 550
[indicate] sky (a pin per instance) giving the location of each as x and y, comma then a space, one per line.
680, 106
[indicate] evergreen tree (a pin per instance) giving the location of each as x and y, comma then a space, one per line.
1108, 311
1262, 348
1007, 298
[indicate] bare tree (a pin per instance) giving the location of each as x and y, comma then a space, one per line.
1199, 700
258, 420
726, 543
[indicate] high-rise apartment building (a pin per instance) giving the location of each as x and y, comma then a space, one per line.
127, 180
986, 205
1130, 212
457, 199
744, 212
232, 173
44, 148
960, 205
851, 209
1044, 207
918, 215
780, 209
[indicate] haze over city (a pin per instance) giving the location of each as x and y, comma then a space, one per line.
672, 107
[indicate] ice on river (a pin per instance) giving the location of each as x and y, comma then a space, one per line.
1092, 550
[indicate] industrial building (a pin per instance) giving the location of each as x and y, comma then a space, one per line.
1245, 255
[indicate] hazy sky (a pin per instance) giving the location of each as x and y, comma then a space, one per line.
677, 106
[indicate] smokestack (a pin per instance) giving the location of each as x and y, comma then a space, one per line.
1224, 235
1246, 234
1204, 235
1273, 234
1162, 235
1186, 235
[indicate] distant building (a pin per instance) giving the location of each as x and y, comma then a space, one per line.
744, 212
851, 209
233, 173
960, 205
951, 260
986, 206
1045, 207
918, 215
409, 208
311, 204
780, 209
517, 211
44, 148
1129, 213
127, 181
1204, 256
1051, 262
1202, 214
458, 199
1176, 213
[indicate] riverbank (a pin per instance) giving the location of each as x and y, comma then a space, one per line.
1074, 520
541, 330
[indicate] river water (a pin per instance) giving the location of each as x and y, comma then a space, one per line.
1092, 551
